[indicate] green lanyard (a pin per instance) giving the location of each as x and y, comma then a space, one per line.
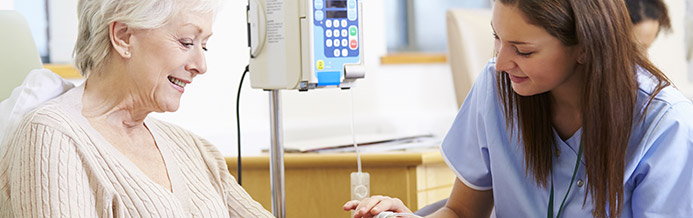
549, 212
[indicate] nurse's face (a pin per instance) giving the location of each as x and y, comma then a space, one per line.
166, 59
535, 61
645, 32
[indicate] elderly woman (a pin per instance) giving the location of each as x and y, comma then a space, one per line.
93, 152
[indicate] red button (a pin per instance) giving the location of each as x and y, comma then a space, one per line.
353, 44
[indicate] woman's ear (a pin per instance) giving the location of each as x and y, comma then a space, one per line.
581, 56
120, 34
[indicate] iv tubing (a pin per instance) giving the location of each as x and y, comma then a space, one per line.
353, 134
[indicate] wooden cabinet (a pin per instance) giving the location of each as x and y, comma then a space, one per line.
318, 185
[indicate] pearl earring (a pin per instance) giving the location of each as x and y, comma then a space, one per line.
127, 52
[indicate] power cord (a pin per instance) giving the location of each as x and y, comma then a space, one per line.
238, 121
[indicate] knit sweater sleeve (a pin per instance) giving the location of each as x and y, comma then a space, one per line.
238, 201
42, 175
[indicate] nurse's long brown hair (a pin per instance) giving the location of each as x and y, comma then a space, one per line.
602, 30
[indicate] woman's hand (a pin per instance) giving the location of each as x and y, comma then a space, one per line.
372, 206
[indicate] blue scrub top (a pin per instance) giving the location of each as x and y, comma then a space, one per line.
658, 179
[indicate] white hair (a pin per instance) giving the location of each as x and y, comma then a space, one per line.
93, 44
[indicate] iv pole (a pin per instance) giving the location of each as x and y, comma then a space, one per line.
277, 157
258, 17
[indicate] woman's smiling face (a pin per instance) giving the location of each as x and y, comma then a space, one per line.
166, 59
535, 61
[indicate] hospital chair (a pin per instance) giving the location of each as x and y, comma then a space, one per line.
18, 53
470, 46
18, 57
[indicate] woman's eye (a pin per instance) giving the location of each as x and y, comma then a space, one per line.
187, 44
524, 54
495, 36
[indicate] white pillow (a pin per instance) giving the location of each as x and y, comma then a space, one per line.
39, 86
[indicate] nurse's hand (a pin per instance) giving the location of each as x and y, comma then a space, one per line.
372, 206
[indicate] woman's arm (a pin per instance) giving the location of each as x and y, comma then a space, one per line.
662, 182
466, 202
238, 202
463, 202
43, 176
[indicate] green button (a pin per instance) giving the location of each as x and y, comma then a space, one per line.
352, 31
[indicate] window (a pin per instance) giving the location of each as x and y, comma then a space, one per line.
419, 26
35, 12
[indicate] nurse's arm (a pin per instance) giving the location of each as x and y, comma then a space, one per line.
466, 202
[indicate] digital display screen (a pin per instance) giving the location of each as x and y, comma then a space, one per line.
336, 4
336, 14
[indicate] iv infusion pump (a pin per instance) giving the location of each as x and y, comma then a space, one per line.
305, 44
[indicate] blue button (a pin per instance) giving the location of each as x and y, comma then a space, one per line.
352, 14
319, 15
317, 4
352, 4
329, 78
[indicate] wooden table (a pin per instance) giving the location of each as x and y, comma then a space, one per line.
318, 185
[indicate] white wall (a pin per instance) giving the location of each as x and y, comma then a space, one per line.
6, 4
391, 100
63, 30
667, 51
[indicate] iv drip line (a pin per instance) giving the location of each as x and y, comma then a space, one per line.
353, 133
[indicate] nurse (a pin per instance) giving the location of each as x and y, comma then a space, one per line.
649, 18
569, 120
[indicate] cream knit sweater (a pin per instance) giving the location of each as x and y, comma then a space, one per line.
57, 165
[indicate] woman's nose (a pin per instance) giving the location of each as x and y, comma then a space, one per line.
198, 62
504, 61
